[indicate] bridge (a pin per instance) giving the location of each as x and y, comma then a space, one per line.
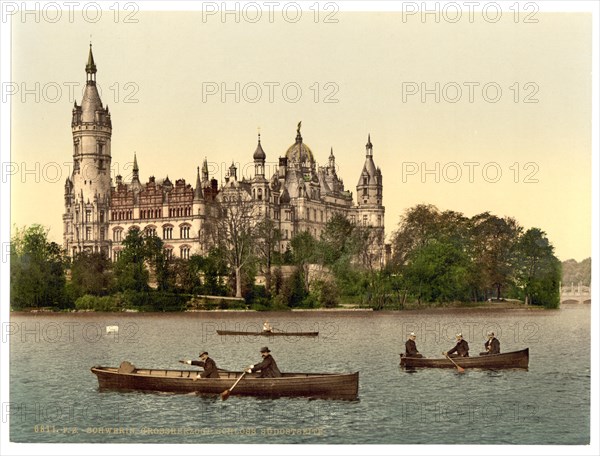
575, 294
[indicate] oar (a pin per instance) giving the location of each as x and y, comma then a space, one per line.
225, 394
458, 368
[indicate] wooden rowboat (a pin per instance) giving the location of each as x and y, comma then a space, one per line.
325, 386
222, 332
516, 359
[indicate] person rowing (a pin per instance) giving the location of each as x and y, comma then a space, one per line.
210, 367
267, 367
492, 345
461, 348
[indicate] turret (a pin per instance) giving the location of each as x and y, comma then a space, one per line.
91, 182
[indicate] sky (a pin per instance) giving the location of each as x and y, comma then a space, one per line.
469, 110
482, 113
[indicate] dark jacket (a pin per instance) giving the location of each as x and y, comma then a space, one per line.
267, 367
492, 346
411, 348
210, 368
461, 348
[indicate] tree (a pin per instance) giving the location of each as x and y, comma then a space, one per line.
37, 270
304, 251
154, 254
234, 231
539, 271
130, 271
267, 239
416, 227
493, 249
91, 274
438, 272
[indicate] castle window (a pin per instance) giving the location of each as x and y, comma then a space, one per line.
88, 233
287, 215
88, 215
169, 254
365, 220
321, 214
353, 219
184, 232
117, 234
185, 252
101, 234
260, 194
167, 232
365, 181
365, 192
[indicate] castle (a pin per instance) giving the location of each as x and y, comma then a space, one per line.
299, 196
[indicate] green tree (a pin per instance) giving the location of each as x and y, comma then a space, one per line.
305, 251
91, 274
130, 270
539, 271
267, 240
37, 270
437, 272
155, 256
493, 248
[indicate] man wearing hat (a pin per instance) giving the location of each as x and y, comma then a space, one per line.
210, 367
267, 367
492, 345
411, 347
461, 348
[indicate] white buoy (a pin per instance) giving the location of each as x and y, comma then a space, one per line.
112, 329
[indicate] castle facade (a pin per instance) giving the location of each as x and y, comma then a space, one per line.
299, 196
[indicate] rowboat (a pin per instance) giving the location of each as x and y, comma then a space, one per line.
324, 386
222, 332
515, 359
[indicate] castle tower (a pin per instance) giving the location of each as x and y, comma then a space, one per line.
370, 211
87, 192
369, 190
260, 185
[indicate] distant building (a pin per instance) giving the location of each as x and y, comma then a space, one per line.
298, 197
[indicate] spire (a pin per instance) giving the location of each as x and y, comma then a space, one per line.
205, 170
369, 147
135, 179
198, 193
90, 68
298, 135
259, 153
332, 160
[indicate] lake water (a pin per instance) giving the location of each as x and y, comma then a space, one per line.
55, 397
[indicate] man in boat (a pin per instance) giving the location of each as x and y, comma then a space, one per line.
267, 327
492, 345
460, 349
210, 367
411, 347
267, 367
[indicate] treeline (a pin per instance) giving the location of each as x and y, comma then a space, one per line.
445, 256
574, 272
436, 257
